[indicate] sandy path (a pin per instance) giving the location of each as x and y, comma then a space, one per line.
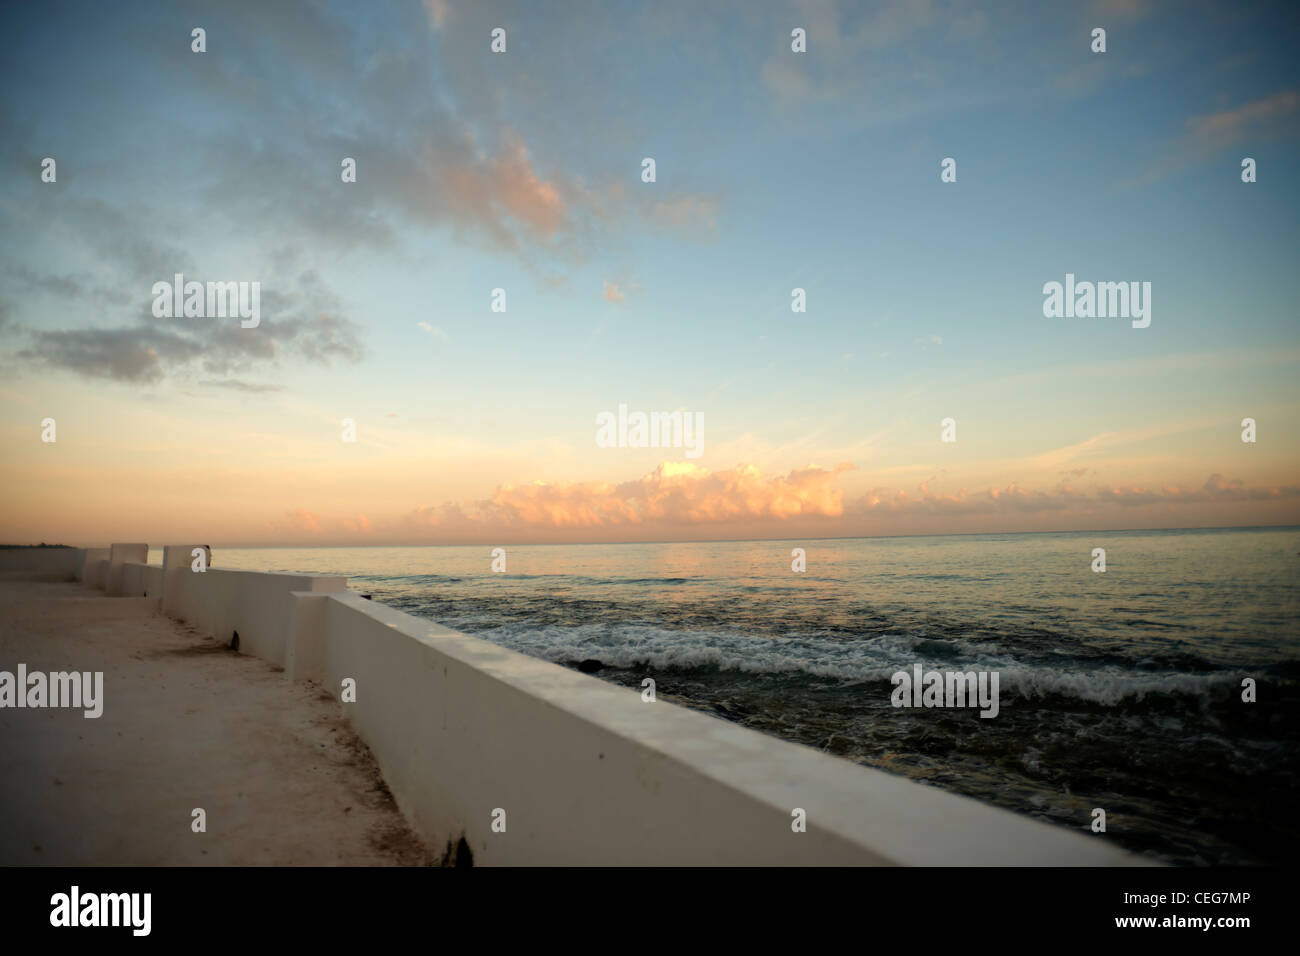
186, 724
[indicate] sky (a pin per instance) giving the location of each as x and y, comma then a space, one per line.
522, 171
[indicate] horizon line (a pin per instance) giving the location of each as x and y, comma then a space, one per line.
851, 537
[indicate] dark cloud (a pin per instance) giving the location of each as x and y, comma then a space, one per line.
21, 279
301, 322
126, 355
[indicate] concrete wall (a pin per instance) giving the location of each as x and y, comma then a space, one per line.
256, 605
97, 575
88, 566
118, 556
307, 648
142, 580
55, 564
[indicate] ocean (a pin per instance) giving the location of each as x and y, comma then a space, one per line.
1119, 690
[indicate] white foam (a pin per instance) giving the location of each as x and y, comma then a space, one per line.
652, 648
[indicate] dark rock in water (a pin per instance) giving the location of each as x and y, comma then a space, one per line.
590, 666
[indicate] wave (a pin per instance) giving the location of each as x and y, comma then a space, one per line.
872, 660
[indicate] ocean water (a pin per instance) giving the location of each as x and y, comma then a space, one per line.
1119, 690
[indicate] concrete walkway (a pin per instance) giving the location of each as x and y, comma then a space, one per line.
186, 723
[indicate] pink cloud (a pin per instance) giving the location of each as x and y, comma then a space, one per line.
300, 519
504, 194
675, 493
1228, 126
359, 525
439, 11
683, 494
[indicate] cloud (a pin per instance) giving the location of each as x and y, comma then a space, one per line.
497, 193
619, 288
1231, 126
23, 279
502, 193
992, 500
1063, 498
134, 354
841, 47
439, 12
674, 494
786, 79
122, 238
1253, 122
684, 212
1216, 489
359, 524
683, 500
433, 331
299, 322
316, 87
300, 519
930, 340
1068, 453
